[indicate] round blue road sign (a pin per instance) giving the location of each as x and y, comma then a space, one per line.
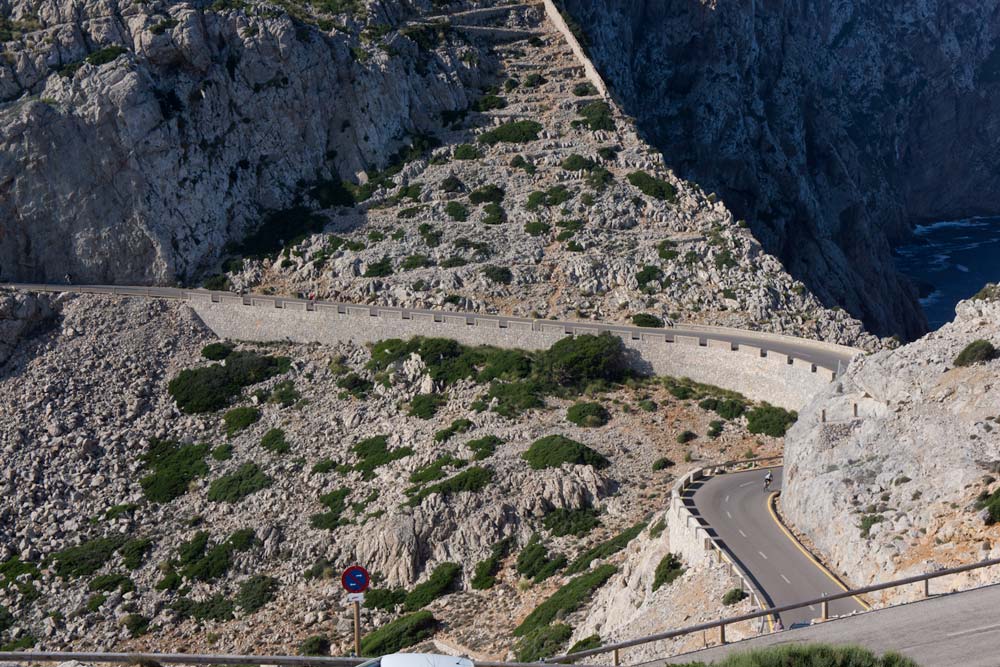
355, 579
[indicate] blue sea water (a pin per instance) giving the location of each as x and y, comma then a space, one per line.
951, 261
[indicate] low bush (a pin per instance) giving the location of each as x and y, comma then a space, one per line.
435, 470
485, 573
667, 570
217, 351
207, 389
576, 162
566, 600
588, 415
105, 55
134, 552
457, 426
515, 398
605, 549
456, 211
441, 582
234, 487
85, 559
576, 522
199, 562
497, 274
662, 464
355, 385
412, 262
136, 624
256, 592
536, 563
537, 228
585, 644
239, 419
452, 184
815, 655
324, 466
336, 504
733, 596
715, 428
453, 262
486, 194
467, 152
596, 116
685, 437
727, 408
275, 442
379, 269
425, 406
553, 451
657, 188
111, 582
647, 320
489, 102
584, 89
374, 452
534, 80
574, 362
483, 448
554, 196
991, 503
770, 420
976, 352
172, 468
473, 479
315, 645
519, 131
648, 274
542, 642
868, 521
518, 162
399, 634
386, 599
493, 214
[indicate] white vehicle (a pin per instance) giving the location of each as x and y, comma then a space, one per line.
417, 660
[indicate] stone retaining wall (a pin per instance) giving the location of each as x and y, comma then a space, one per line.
758, 374
588, 67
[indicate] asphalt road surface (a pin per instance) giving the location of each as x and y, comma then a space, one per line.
956, 630
831, 358
735, 506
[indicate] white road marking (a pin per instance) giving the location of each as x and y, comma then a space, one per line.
786, 579
973, 631
741, 532
727, 499
728, 514
763, 555
812, 607
746, 484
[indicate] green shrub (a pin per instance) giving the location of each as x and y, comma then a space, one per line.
85, 559
662, 464
605, 549
453, 262
136, 624
120, 510
554, 196
315, 645
536, 563
457, 426
473, 480
976, 352
484, 447
576, 162
217, 351
24, 642
585, 644
715, 428
518, 162
566, 600
577, 361
441, 582
815, 655
399, 634
554, 450
727, 408
596, 116
685, 437
489, 102
379, 269
336, 505
584, 89
236, 486
487, 194
7, 620
374, 453
207, 389
537, 228
95, 602
868, 521
105, 55
542, 642
770, 420
588, 415
494, 214
239, 419
111, 582
355, 385
456, 211
172, 468
653, 187
412, 262
324, 466
667, 570
223, 452
534, 80
648, 274
485, 574
435, 470
452, 184
666, 250
577, 522
386, 599
733, 596
284, 394
425, 406
647, 320
274, 441
200, 563
991, 503
256, 592
467, 152
497, 274
519, 131
134, 552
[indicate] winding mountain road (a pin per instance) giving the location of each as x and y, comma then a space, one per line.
824, 355
735, 508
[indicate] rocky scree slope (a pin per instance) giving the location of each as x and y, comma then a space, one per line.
138, 138
906, 487
829, 126
542, 201
126, 523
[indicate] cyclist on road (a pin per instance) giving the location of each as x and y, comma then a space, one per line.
768, 478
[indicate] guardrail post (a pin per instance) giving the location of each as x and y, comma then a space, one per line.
617, 658
822, 416
722, 634
855, 409
927, 587
826, 610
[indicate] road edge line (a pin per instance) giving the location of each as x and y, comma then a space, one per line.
815, 561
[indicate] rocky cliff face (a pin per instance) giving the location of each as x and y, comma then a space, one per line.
830, 126
899, 489
137, 139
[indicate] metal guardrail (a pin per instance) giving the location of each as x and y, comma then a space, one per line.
151, 659
824, 601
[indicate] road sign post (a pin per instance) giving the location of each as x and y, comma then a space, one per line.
355, 581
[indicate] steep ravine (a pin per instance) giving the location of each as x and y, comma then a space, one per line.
829, 126
137, 139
